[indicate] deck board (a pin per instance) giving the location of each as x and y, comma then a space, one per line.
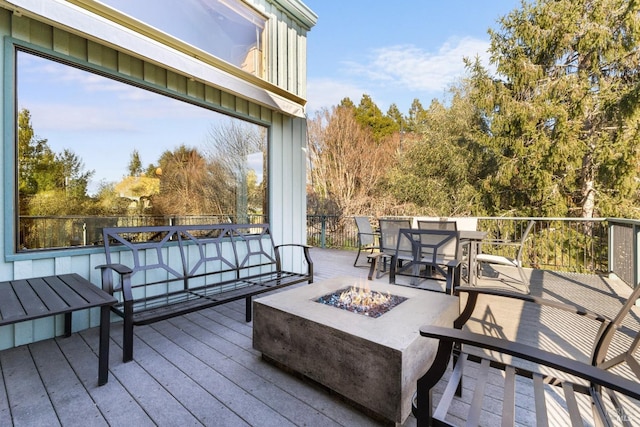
201, 369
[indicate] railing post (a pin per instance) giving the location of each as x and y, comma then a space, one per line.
636, 255
323, 230
610, 249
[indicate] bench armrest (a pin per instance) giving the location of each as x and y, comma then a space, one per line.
307, 257
118, 268
124, 283
593, 374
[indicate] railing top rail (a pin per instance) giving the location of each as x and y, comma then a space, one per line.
544, 218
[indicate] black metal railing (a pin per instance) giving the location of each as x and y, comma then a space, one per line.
44, 232
598, 245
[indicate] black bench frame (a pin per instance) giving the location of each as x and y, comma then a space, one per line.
161, 272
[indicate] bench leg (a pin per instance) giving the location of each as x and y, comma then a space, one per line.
247, 309
103, 349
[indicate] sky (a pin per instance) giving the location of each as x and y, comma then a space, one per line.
413, 49
395, 52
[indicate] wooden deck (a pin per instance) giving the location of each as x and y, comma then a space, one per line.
200, 369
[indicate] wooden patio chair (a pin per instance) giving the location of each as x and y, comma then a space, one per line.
368, 239
602, 392
511, 260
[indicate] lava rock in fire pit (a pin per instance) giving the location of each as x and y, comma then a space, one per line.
368, 303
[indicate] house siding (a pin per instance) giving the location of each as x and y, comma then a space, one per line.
287, 142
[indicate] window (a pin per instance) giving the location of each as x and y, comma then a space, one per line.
93, 151
227, 29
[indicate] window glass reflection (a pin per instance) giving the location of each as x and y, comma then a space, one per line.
93, 152
227, 29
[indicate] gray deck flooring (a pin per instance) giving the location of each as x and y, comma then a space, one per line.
200, 369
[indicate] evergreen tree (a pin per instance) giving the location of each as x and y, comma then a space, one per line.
368, 114
563, 113
36, 171
417, 116
441, 164
135, 164
394, 114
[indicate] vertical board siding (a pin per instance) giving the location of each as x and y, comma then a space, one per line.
285, 51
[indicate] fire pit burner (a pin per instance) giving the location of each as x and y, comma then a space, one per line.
362, 301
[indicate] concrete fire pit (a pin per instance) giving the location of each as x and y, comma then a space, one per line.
374, 362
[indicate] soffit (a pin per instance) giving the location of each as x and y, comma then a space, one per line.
79, 21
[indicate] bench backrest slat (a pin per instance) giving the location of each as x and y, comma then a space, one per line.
191, 254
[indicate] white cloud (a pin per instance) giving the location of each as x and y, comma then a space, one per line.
410, 67
398, 73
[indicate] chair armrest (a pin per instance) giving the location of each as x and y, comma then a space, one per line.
572, 308
453, 263
474, 292
593, 374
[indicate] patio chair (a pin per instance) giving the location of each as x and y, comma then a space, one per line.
430, 251
368, 239
440, 224
437, 225
516, 247
456, 224
605, 389
389, 232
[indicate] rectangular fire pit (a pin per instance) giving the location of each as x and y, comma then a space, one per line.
374, 362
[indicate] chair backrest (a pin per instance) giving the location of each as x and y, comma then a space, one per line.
437, 225
416, 219
389, 232
449, 248
430, 246
605, 357
365, 231
466, 222
524, 237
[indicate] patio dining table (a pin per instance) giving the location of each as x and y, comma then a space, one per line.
471, 238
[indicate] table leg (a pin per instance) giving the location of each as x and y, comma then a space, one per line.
103, 350
67, 324
473, 249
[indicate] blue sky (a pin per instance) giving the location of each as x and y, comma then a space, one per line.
392, 53
395, 52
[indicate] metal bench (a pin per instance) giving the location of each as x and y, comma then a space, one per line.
603, 391
161, 272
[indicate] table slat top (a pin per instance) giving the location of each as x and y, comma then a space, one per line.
28, 299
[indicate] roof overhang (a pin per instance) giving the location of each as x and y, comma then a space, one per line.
80, 21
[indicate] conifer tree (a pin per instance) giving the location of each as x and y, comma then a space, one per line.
563, 111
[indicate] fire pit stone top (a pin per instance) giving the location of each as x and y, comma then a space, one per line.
373, 362
420, 307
